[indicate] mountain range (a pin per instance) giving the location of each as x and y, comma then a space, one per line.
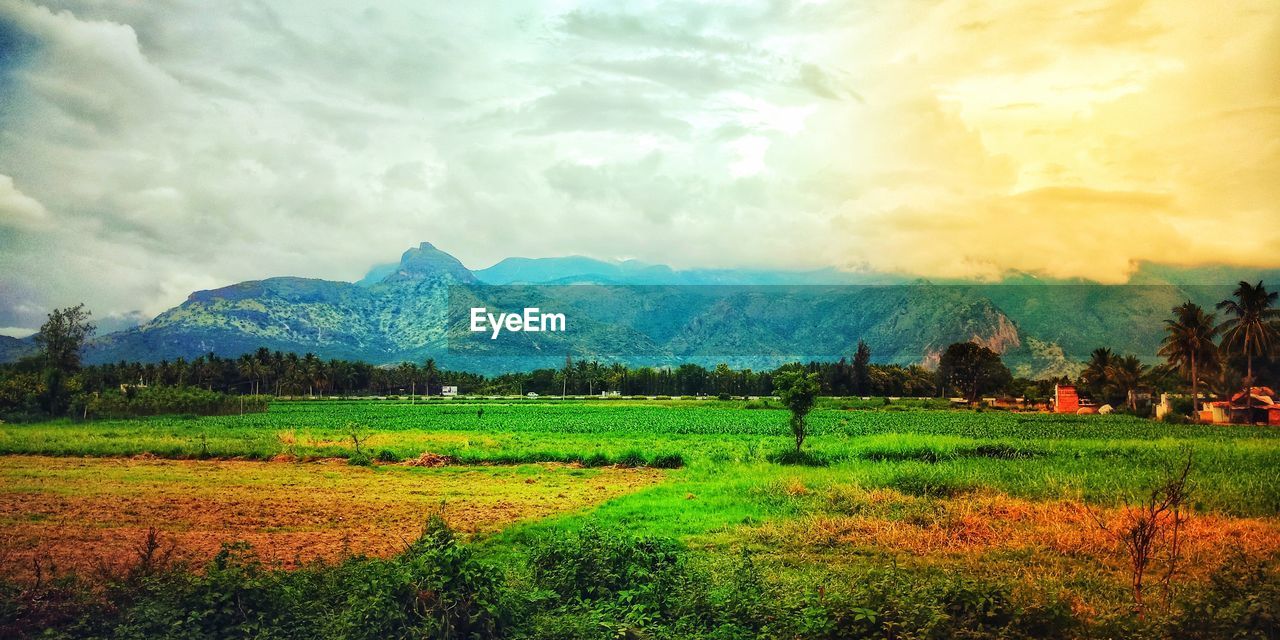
643, 313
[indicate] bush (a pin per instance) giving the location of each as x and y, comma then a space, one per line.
388, 456
667, 461
724, 397
359, 460
1242, 601
799, 458
596, 460
632, 458
434, 589
595, 563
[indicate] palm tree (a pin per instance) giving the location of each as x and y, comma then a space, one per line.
1189, 344
1124, 375
1250, 327
1095, 373
431, 371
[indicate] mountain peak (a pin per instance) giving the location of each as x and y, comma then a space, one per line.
428, 262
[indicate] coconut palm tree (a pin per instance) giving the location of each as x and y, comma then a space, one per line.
1189, 345
1124, 375
1250, 328
1095, 372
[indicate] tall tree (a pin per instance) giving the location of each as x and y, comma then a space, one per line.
1094, 375
1250, 328
973, 368
431, 372
61, 338
1189, 346
861, 369
1124, 376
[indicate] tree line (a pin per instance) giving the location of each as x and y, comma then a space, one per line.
1201, 352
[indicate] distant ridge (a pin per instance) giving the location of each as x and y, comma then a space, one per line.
398, 312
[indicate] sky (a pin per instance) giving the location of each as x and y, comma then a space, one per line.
151, 149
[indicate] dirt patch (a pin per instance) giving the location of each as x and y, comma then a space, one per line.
81, 513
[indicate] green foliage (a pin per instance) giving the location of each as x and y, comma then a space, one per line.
158, 401
973, 369
1242, 601
435, 589
799, 392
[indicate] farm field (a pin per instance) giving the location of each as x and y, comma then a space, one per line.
79, 513
890, 506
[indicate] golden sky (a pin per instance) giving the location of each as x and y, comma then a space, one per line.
1067, 138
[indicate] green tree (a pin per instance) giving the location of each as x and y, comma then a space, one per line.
1250, 328
1189, 346
799, 392
1125, 375
973, 369
61, 339
432, 374
861, 369
1094, 375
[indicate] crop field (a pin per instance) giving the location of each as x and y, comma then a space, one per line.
1018, 500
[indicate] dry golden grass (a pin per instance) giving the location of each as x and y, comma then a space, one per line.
974, 525
79, 512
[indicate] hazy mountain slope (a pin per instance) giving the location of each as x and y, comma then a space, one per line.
633, 314
12, 349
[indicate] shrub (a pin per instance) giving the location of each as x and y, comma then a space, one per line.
667, 461
595, 563
387, 455
596, 460
1242, 601
632, 458
799, 458
154, 401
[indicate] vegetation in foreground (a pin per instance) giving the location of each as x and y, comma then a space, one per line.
594, 582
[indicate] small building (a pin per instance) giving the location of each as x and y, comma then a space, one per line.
1065, 399
448, 390
1258, 406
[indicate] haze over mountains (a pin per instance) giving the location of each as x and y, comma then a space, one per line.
400, 312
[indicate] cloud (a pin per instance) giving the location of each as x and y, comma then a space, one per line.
146, 151
19, 210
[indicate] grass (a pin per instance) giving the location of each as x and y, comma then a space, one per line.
79, 511
993, 496
1102, 459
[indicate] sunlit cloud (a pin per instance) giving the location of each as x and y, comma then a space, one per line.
147, 150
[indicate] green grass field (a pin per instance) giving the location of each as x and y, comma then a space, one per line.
895, 495
923, 452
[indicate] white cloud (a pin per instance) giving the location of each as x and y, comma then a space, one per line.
164, 148
17, 209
